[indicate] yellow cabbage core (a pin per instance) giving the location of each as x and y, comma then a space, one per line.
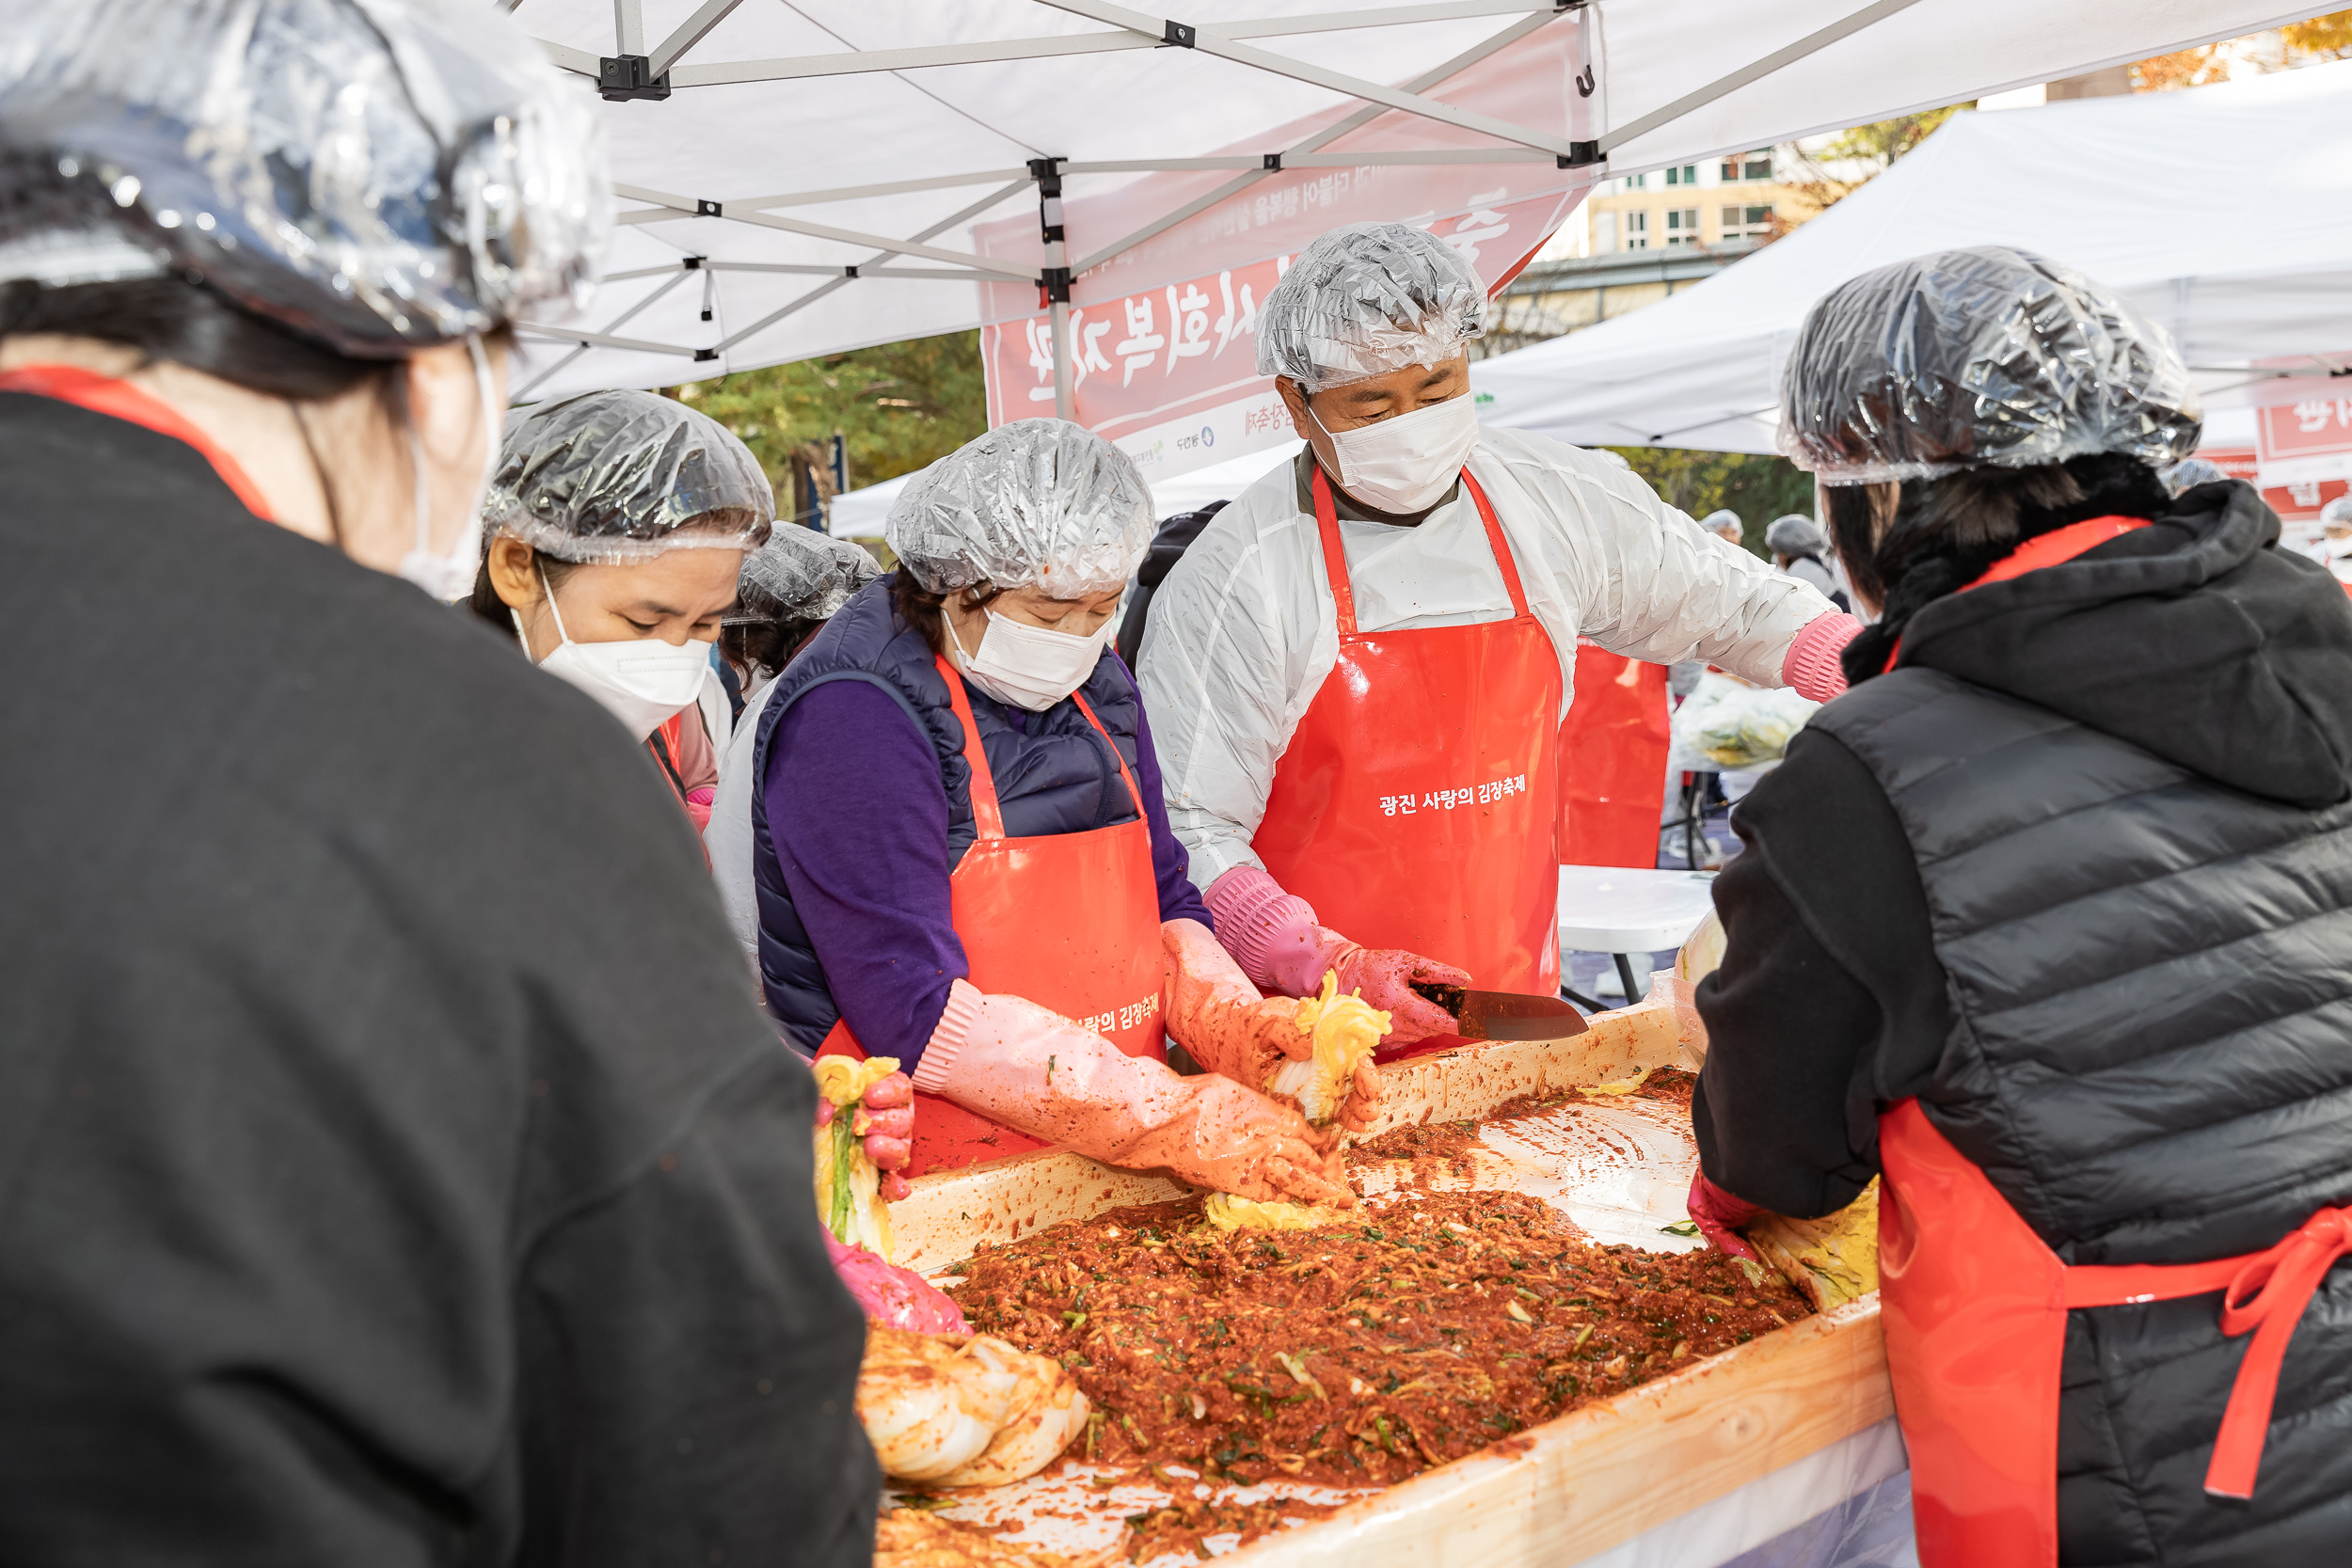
846, 1179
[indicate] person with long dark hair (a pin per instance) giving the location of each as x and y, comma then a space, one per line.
394, 1165
2043, 922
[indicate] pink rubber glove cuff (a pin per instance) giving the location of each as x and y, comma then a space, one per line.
1269, 932
1811, 669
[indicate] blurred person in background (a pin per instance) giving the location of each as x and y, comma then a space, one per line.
2042, 921
397, 1168
617, 524
1799, 546
789, 588
1725, 525
1005, 912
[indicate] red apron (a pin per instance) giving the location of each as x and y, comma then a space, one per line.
1070, 920
1418, 803
1616, 734
1974, 1305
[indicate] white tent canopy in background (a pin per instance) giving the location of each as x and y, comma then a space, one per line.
2224, 211
861, 513
828, 174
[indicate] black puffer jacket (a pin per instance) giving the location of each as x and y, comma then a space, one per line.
2079, 875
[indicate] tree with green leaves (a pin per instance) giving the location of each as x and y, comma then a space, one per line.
897, 406
1757, 488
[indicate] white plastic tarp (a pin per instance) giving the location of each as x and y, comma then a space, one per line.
2224, 211
828, 174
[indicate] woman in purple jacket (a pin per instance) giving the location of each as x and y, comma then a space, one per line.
962, 858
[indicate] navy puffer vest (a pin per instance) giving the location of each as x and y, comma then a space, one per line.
1054, 775
2150, 1057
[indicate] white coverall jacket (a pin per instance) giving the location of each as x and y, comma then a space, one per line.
1243, 630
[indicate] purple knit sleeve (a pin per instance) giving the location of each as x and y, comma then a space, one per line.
860, 823
1178, 898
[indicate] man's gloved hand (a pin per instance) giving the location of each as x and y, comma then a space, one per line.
1275, 937
1041, 1073
1383, 977
1718, 1216
1217, 1016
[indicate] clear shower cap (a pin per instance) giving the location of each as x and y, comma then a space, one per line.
377, 175
2337, 512
1984, 355
1795, 534
799, 574
1717, 519
615, 477
1367, 298
1038, 504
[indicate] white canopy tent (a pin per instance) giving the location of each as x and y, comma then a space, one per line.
2224, 211
807, 177
862, 513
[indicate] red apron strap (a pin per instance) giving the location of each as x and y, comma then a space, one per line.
988, 818
2054, 549
1500, 545
1088, 711
105, 394
1335, 556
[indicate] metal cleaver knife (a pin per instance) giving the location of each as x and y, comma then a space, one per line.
1505, 1015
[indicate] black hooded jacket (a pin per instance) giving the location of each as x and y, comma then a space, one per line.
2080, 876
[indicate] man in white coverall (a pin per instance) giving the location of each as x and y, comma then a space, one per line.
1357, 674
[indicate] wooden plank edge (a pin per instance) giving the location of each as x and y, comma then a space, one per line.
1597, 1477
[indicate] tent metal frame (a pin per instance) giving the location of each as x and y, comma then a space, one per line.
636, 70
659, 70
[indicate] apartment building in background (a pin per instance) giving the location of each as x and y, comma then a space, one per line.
1713, 202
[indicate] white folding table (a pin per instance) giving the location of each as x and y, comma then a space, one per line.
1618, 911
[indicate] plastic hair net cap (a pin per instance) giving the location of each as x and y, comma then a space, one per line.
2337, 512
1367, 298
1038, 504
612, 477
799, 574
1722, 518
1984, 355
1795, 534
379, 175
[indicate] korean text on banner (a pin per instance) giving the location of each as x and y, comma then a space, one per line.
1163, 345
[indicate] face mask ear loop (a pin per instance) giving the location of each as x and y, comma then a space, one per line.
562, 634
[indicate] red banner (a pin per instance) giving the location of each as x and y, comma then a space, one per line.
2298, 503
1163, 343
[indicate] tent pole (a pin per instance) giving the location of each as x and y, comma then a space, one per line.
1065, 407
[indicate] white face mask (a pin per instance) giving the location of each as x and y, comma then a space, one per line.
1030, 667
452, 575
639, 682
1405, 463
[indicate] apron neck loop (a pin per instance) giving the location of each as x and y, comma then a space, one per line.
1335, 555
988, 815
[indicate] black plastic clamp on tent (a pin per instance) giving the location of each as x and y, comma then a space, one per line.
623, 77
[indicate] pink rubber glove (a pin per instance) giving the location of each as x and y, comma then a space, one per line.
1811, 669
1718, 1215
1039, 1073
1216, 1014
890, 1294
1274, 936
885, 1119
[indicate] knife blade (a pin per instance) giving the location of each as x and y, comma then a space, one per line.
1505, 1015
